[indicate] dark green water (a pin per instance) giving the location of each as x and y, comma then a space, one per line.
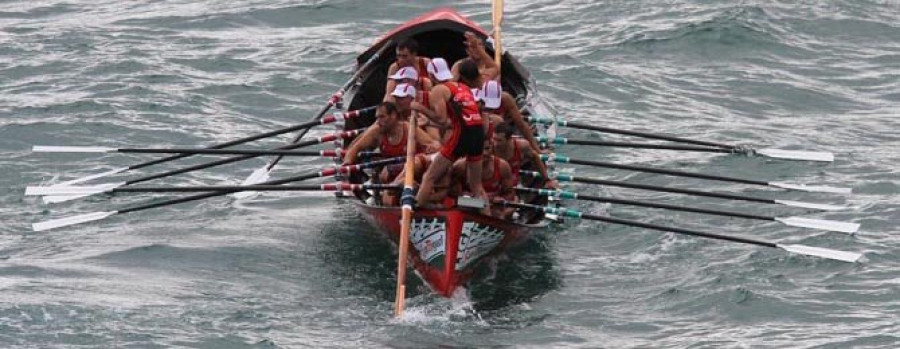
292, 270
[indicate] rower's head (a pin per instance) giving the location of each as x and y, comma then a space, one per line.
468, 73
407, 75
404, 94
491, 95
407, 52
387, 116
438, 70
502, 134
472, 44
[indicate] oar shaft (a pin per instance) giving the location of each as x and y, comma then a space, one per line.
303, 126
566, 159
327, 172
577, 214
335, 98
326, 138
576, 196
633, 133
565, 177
561, 140
310, 187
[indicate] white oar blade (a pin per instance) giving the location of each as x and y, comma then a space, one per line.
55, 199
821, 224
815, 206
68, 149
797, 155
93, 176
811, 188
62, 222
258, 176
844, 256
69, 190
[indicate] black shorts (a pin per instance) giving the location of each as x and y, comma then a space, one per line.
467, 142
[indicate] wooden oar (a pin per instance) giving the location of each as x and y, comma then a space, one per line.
95, 216
53, 197
793, 221
570, 178
781, 185
262, 174
497, 12
769, 152
407, 200
793, 248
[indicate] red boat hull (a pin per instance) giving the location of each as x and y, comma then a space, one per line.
446, 246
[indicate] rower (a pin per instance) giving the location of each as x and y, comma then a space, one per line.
487, 68
407, 52
389, 134
503, 104
408, 75
496, 178
454, 106
440, 195
438, 73
516, 152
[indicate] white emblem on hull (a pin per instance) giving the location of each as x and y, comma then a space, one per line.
476, 241
428, 238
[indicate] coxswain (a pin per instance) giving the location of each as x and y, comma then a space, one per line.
503, 104
454, 107
407, 53
517, 153
475, 52
496, 178
389, 135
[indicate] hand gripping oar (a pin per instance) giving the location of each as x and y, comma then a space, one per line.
262, 174
55, 192
95, 216
772, 153
407, 201
793, 221
794, 248
782, 185
570, 178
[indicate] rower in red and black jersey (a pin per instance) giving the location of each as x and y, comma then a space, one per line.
389, 134
407, 52
454, 106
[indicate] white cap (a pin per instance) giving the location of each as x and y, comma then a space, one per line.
438, 68
406, 73
491, 94
404, 90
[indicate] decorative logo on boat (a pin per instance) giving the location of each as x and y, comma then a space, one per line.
428, 236
476, 241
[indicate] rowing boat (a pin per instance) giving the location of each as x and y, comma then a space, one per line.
447, 245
